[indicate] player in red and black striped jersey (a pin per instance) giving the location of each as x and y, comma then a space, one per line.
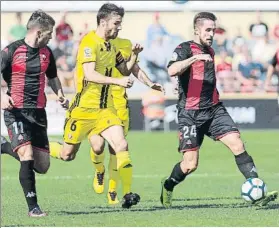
200, 112
25, 64
24, 69
197, 85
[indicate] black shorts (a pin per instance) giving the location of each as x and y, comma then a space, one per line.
27, 126
215, 122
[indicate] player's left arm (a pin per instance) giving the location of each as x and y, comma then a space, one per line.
55, 83
125, 68
142, 77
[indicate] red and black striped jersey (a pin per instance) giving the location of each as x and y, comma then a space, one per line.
25, 69
197, 85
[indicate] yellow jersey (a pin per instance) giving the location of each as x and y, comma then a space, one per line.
119, 95
91, 95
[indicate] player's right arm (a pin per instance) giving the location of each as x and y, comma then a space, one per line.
181, 60
6, 101
270, 71
92, 75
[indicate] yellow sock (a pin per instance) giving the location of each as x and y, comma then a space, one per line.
98, 161
125, 170
113, 173
54, 149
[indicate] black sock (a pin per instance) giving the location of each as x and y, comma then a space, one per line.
7, 149
246, 165
175, 178
27, 181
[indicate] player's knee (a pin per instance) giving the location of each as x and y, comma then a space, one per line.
121, 145
97, 144
68, 152
25, 153
236, 145
67, 157
190, 161
42, 169
98, 148
238, 148
188, 167
192, 169
189, 164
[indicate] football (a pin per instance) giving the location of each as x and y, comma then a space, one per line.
253, 189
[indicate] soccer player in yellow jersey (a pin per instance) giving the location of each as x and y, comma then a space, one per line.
120, 102
91, 113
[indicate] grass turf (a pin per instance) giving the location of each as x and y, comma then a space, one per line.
209, 197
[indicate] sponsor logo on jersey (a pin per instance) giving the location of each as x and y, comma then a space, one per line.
87, 52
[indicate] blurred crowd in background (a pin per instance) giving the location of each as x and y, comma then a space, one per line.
241, 62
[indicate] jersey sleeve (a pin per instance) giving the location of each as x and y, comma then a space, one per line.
51, 71
87, 51
181, 52
126, 49
4, 59
119, 59
273, 61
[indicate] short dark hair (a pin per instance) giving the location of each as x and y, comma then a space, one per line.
40, 19
109, 9
202, 16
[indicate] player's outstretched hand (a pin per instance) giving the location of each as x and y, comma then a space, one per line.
205, 57
158, 87
126, 82
64, 102
137, 49
7, 102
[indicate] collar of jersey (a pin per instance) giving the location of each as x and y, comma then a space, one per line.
99, 38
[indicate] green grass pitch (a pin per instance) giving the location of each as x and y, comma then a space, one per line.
209, 197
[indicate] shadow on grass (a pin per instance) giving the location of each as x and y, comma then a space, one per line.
270, 207
199, 199
208, 198
104, 210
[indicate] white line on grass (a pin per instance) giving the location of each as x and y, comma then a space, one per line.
80, 177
